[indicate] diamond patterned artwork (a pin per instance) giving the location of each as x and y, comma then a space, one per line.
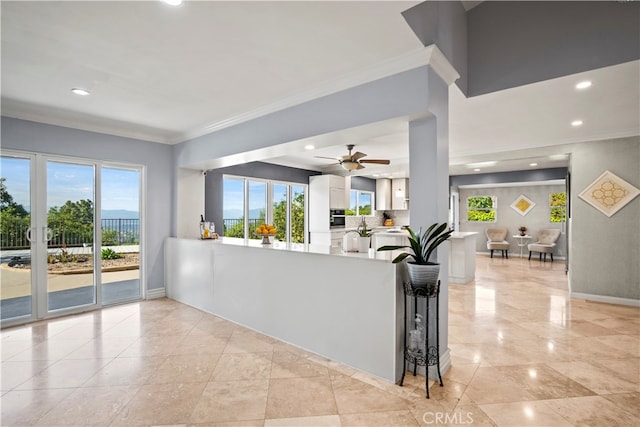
609, 193
522, 205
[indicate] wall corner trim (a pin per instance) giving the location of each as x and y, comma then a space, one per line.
441, 65
156, 293
606, 299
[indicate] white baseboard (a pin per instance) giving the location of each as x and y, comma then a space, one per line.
445, 364
605, 299
156, 293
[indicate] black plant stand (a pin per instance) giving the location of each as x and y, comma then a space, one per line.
430, 355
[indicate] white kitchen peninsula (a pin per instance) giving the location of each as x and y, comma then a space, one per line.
462, 257
346, 307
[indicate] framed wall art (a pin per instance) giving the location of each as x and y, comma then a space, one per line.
609, 193
522, 205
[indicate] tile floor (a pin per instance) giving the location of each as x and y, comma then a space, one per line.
523, 354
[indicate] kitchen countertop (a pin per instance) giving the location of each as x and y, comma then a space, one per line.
462, 234
308, 248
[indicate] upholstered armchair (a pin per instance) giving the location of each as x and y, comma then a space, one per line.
497, 240
545, 243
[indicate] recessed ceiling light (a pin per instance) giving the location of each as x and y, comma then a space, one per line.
173, 2
309, 147
81, 92
533, 164
482, 164
576, 123
476, 170
376, 174
583, 85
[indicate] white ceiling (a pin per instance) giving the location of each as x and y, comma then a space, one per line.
168, 74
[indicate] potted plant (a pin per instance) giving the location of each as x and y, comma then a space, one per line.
364, 237
523, 231
422, 272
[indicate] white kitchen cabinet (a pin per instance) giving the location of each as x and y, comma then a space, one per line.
400, 194
462, 257
385, 238
326, 192
383, 194
336, 239
337, 198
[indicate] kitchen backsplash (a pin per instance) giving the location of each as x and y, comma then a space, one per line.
399, 218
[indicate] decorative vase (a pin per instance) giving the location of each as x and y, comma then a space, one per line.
363, 244
423, 275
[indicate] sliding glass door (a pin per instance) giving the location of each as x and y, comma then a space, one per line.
70, 235
17, 232
120, 227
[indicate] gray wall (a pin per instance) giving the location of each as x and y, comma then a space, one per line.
213, 190
535, 220
504, 177
367, 103
605, 252
513, 43
156, 158
363, 184
443, 23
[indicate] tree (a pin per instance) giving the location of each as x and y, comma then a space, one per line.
72, 220
297, 218
236, 230
8, 204
14, 220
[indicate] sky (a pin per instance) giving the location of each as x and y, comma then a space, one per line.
67, 181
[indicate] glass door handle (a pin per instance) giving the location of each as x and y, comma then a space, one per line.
27, 233
47, 234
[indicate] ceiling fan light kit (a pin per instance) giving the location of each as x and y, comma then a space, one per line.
352, 162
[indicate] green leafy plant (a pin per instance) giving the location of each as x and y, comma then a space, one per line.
362, 230
558, 204
109, 253
421, 244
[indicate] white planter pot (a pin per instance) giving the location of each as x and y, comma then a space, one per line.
422, 276
363, 244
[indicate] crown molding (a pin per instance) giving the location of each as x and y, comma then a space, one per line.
74, 120
441, 65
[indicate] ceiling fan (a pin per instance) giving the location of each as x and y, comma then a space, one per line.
354, 161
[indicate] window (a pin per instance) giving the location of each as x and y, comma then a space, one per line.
558, 207
360, 203
257, 207
481, 209
233, 207
248, 202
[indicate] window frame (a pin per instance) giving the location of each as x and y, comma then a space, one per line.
494, 208
372, 194
269, 215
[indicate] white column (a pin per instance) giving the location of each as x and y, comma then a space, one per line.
429, 180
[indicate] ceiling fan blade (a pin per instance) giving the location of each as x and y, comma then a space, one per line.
358, 155
360, 166
378, 162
